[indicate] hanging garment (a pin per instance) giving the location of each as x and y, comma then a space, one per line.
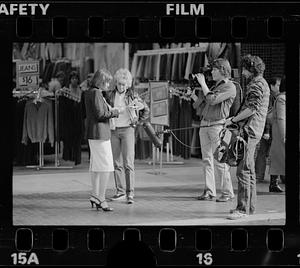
38, 122
162, 67
198, 62
53, 51
140, 68
157, 65
23, 155
181, 67
153, 63
30, 51
71, 127
70, 51
147, 67
168, 67
100, 56
47, 73
214, 50
185, 121
174, 121
115, 54
232, 53
174, 68
88, 67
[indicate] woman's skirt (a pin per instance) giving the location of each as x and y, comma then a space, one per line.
101, 159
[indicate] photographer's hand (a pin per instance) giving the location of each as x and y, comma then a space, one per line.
201, 80
193, 95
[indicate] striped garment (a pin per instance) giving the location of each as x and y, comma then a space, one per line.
256, 99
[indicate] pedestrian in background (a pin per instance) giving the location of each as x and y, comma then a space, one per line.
264, 145
277, 152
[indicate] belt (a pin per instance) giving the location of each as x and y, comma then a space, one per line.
208, 123
124, 127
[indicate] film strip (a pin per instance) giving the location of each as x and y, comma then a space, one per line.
46, 213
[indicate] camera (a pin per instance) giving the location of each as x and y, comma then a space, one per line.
206, 71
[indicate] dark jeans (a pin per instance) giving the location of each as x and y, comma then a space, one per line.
245, 173
261, 158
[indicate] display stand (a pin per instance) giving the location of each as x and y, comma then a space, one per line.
56, 144
157, 156
41, 158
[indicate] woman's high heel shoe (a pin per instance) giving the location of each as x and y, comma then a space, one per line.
106, 209
94, 201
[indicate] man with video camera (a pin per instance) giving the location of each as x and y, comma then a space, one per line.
213, 106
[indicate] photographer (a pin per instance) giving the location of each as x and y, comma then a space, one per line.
213, 107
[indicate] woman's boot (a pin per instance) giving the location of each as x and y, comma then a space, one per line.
274, 187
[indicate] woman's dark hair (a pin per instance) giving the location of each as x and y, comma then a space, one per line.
100, 75
60, 74
274, 80
282, 85
253, 64
74, 74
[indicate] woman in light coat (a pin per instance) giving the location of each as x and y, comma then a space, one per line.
277, 151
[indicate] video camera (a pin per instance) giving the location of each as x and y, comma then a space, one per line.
206, 71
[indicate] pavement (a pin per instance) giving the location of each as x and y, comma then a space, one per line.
162, 197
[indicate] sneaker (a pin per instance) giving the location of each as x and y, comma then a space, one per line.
224, 198
130, 200
118, 197
236, 215
206, 197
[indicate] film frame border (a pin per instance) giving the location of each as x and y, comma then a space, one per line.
290, 26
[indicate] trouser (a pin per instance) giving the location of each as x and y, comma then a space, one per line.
122, 141
209, 140
246, 200
261, 158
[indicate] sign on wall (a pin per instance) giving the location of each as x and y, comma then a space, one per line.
28, 73
159, 102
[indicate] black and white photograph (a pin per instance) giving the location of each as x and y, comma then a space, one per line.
149, 134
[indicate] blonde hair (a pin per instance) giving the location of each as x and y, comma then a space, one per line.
101, 75
123, 74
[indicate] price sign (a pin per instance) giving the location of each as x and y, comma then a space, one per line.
28, 73
28, 81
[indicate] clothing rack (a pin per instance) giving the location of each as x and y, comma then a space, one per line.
162, 51
49, 96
